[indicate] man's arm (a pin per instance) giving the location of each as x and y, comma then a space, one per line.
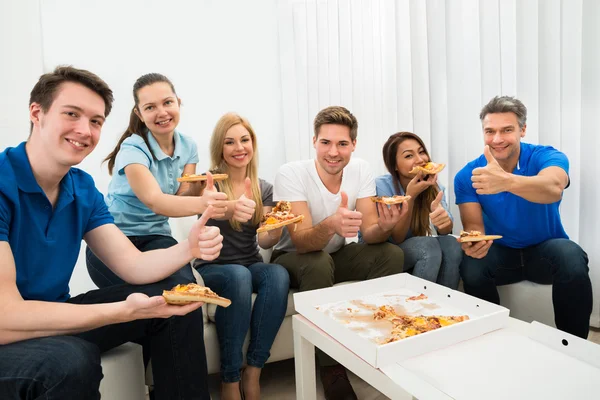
544, 188
472, 220
116, 251
27, 319
306, 237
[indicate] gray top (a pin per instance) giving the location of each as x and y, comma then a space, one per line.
240, 247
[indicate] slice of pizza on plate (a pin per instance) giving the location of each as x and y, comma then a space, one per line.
430, 168
476, 236
191, 292
280, 215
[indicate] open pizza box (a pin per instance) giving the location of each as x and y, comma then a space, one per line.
320, 307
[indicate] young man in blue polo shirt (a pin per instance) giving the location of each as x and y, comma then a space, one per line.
514, 189
50, 343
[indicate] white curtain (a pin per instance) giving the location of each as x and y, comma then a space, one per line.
429, 66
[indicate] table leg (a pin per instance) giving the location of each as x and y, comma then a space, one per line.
304, 356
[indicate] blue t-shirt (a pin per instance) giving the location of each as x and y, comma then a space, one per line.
521, 223
45, 243
132, 216
385, 187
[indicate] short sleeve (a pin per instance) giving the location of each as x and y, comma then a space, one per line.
463, 189
266, 190
288, 185
383, 187
367, 182
5, 217
130, 153
193, 154
548, 156
100, 214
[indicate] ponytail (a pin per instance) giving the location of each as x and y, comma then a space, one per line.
136, 127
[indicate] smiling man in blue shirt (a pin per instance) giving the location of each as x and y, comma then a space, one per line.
514, 189
50, 343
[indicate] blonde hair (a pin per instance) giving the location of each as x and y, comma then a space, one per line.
218, 164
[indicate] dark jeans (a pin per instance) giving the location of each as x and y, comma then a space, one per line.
103, 277
271, 282
353, 262
559, 262
68, 367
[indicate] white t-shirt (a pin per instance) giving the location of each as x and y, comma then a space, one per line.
300, 181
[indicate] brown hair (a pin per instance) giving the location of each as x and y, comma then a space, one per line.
218, 164
336, 115
44, 91
419, 223
136, 125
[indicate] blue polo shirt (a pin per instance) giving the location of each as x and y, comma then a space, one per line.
45, 243
520, 222
132, 216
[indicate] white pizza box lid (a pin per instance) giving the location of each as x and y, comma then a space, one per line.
533, 362
484, 317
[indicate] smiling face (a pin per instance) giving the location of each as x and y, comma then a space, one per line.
334, 148
158, 108
238, 147
70, 129
503, 134
410, 154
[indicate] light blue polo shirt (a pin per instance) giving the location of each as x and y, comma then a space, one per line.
132, 216
45, 243
385, 187
520, 222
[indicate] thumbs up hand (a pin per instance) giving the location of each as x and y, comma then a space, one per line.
492, 178
212, 197
439, 216
205, 241
244, 206
347, 223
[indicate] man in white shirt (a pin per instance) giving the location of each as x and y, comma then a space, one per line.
333, 193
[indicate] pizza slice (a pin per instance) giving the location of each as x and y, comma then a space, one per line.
390, 199
430, 168
476, 236
200, 178
280, 215
191, 292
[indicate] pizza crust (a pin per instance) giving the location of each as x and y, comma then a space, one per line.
476, 236
270, 227
389, 200
200, 178
190, 293
430, 168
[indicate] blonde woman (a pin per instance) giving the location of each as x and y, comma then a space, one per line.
239, 271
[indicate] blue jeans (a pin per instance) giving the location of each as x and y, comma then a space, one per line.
68, 367
435, 258
559, 262
103, 277
271, 282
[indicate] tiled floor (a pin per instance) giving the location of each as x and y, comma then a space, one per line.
278, 383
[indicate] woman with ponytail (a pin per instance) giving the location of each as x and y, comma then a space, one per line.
144, 192
239, 271
423, 234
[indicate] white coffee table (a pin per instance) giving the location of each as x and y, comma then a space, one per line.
503, 364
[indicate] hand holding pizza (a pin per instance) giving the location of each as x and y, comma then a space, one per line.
439, 216
347, 222
419, 183
476, 249
390, 216
212, 197
205, 241
490, 179
140, 306
244, 206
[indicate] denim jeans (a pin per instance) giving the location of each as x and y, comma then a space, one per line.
271, 282
68, 367
103, 277
560, 262
435, 258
